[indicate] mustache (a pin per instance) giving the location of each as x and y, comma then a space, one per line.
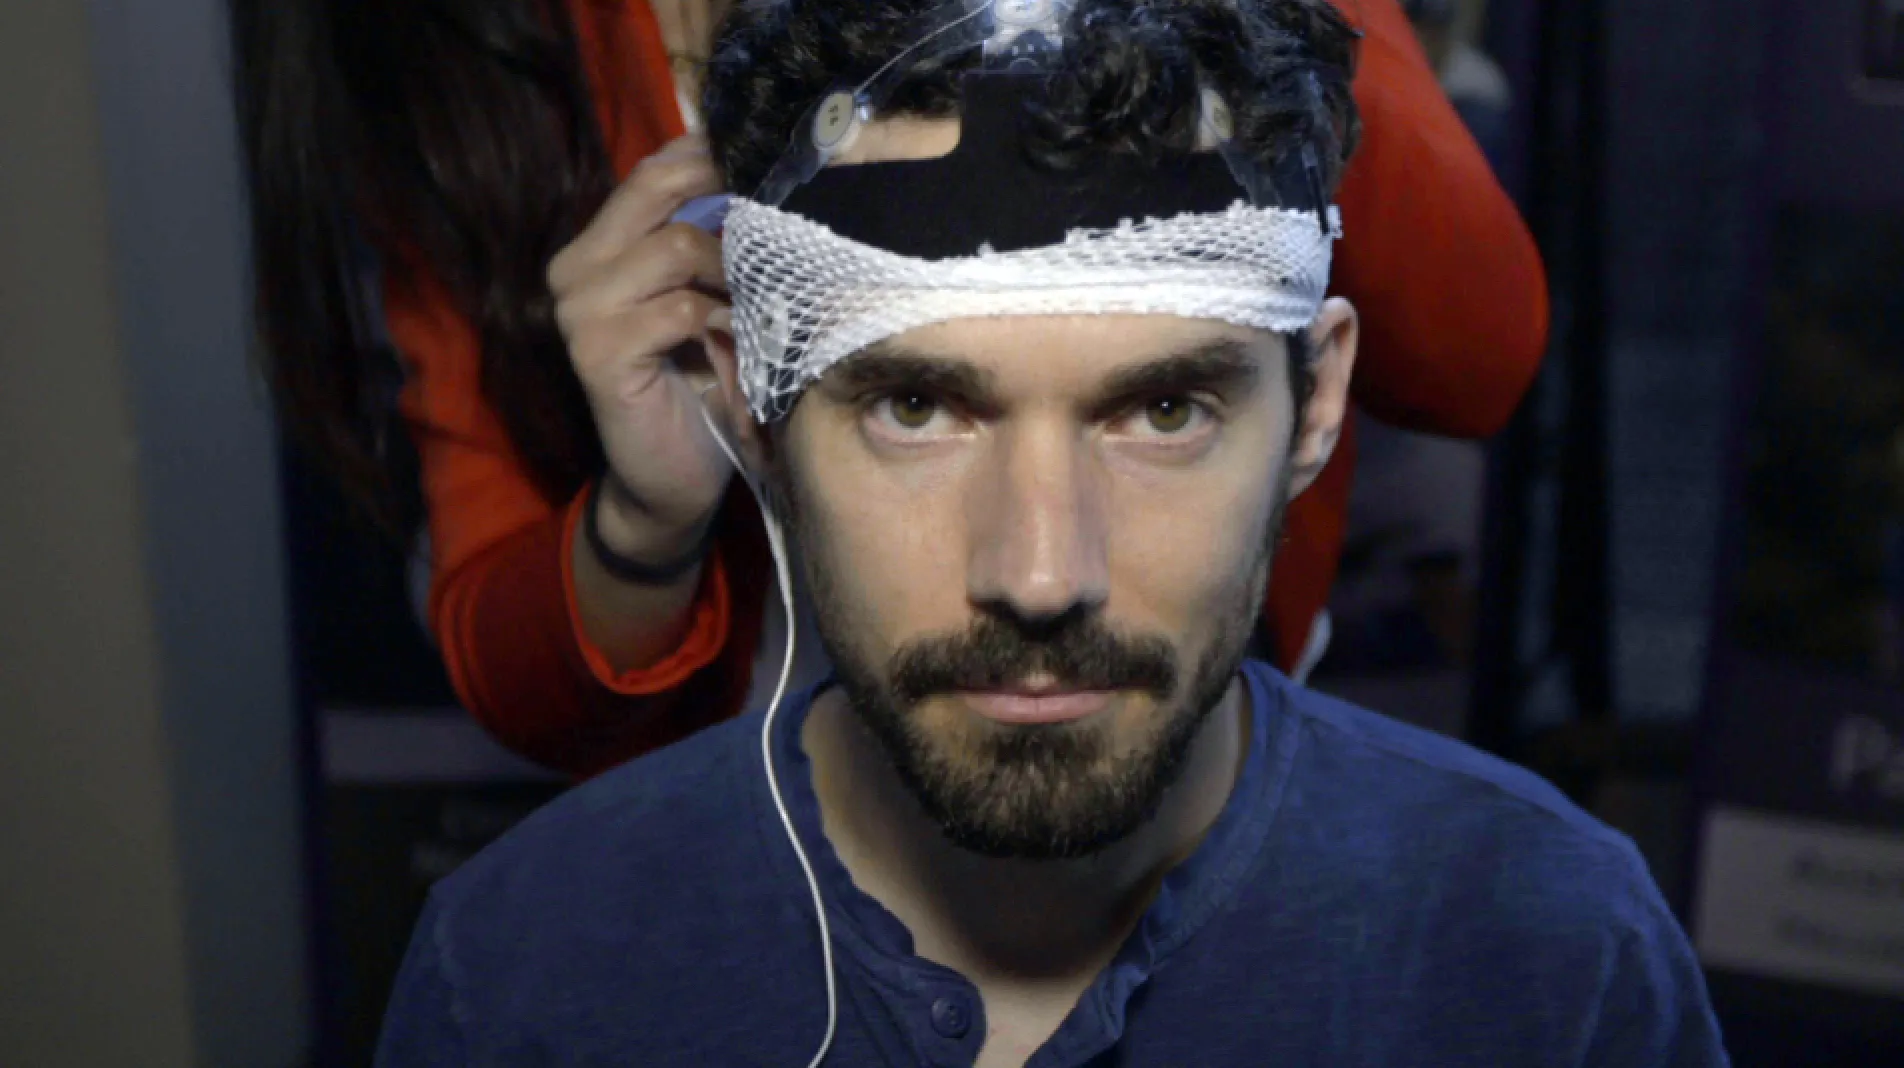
995, 653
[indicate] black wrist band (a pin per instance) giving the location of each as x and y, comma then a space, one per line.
636, 572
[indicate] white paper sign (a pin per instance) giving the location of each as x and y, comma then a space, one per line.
1802, 900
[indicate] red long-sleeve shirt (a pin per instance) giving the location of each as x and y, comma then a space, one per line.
1454, 318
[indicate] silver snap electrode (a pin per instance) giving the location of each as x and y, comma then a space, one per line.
1218, 125
835, 121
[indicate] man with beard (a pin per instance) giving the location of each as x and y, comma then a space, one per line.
1029, 319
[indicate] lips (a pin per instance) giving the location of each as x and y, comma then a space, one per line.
1025, 707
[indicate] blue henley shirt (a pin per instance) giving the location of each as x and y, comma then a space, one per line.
1371, 895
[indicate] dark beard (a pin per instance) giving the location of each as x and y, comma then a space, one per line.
1044, 792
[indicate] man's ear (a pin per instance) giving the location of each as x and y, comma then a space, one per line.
1332, 341
726, 403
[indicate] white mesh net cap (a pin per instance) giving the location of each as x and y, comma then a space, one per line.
806, 298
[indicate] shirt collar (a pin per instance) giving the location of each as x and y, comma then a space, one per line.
1189, 895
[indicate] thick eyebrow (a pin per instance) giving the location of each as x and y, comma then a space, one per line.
884, 368
1225, 366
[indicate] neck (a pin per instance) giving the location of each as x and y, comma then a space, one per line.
1009, 919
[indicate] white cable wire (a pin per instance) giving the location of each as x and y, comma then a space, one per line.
776, 543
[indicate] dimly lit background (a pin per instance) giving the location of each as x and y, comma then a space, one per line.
230, 765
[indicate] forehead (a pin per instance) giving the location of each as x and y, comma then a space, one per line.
1059, 357
901, 137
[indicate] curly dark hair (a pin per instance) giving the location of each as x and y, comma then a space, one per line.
1128, 81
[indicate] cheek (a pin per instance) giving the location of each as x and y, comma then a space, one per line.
1183, 546
894, 551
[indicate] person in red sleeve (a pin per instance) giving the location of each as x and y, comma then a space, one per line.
599, 586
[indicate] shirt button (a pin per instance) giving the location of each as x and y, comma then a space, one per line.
950, 1018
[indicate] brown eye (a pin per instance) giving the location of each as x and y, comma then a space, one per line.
1170, 415
913, 411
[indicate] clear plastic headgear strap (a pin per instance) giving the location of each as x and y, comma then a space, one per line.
831, 124
1010, 33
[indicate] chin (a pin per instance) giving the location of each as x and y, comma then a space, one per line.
1042, 791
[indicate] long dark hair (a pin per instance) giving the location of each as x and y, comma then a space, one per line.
457, 141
